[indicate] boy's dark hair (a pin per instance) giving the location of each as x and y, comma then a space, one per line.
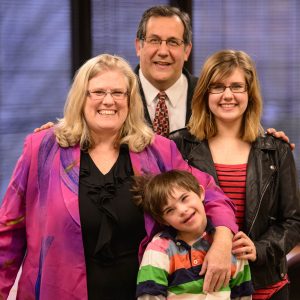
150, 192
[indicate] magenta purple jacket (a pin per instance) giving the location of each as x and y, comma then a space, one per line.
39, 217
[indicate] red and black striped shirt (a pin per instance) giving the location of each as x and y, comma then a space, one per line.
232, 180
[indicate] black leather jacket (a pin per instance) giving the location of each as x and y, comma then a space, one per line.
272, 210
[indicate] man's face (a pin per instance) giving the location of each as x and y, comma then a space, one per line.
161, 64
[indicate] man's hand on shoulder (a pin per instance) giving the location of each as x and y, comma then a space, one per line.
45, 126
281, 135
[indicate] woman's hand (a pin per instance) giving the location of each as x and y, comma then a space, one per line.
45, 126
243, 247
217, 262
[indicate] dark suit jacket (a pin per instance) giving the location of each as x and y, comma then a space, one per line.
192, 81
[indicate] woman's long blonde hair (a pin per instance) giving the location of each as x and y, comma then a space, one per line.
72, 128
218, 66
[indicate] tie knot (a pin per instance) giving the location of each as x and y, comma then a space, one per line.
162, 96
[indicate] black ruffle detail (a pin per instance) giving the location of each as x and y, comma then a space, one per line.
102, 195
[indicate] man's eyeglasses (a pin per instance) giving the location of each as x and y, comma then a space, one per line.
101, 94
156, 42
218, 88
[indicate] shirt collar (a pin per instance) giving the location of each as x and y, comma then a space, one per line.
175, 93
171, 233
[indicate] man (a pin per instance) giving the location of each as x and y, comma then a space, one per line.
163, 44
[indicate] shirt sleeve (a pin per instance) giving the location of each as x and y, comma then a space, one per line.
154, 269
219, 208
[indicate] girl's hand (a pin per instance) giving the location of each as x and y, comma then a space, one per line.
243, 247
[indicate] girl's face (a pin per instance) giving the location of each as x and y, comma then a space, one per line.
229, 106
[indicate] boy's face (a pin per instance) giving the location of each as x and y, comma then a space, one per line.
185, 212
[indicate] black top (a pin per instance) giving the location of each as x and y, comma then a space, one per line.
112, 228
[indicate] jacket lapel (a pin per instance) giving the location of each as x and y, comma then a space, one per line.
69, 173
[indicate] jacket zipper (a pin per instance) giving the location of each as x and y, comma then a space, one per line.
260, 200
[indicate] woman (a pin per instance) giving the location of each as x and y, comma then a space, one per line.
67, 217
225, 138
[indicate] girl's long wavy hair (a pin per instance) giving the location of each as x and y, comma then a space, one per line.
218, 66
72, 128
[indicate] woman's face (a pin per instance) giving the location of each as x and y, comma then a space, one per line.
229, 106
106, 115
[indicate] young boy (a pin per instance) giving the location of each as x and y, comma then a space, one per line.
172, 261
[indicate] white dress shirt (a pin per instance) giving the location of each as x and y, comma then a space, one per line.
176, 102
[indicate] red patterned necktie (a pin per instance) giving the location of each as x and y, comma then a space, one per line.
161, 119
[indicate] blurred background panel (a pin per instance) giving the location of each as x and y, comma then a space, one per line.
34, 72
